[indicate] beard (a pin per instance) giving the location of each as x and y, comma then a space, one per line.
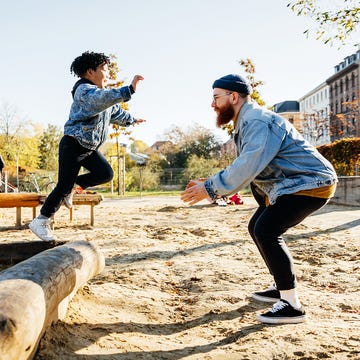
224, 115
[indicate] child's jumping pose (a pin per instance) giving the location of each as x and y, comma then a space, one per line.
93, 109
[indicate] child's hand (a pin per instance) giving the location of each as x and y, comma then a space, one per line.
139, 121
135, 81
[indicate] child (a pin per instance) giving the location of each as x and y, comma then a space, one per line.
93, 109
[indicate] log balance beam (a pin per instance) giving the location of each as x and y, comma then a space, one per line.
36, 292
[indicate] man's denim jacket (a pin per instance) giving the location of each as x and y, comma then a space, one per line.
93, 110
273, 156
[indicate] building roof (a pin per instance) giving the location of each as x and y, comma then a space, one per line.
287, 106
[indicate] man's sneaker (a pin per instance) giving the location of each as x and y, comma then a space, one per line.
271, 295
283, 313
41, 228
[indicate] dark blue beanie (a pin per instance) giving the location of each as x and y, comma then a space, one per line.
233, 82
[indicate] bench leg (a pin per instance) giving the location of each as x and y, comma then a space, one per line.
18, 217
71, 214
92, 215
34, 212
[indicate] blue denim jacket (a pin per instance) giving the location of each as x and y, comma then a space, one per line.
273, 156
93, 110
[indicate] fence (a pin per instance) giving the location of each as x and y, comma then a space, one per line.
5, 186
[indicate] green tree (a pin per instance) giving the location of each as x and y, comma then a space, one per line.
199, 167
197, 141
149, 180
336, 21
138, 146
48, 148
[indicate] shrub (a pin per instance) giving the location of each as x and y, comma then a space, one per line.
344, 155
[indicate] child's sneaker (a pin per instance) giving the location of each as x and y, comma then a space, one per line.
271, 295
283, 313
41, 228
68, 199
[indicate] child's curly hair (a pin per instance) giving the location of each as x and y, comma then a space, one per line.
88, 60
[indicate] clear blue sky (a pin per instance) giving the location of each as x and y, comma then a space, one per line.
180, 47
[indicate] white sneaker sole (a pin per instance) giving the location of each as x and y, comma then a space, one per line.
281, 320
43, 238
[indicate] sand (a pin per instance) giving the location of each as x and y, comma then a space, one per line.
177, 282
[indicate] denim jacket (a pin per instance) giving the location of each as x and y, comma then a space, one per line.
273, 156
93, 110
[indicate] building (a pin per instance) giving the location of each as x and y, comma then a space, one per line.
289, 109
158, 146
315, 115
344, 94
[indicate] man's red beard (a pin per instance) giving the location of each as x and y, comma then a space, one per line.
224, 115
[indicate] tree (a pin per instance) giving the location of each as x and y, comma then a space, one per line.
336, 22
118, 130
197, 141
15, 143
249, 68
315, 128
48, 148
138, 146
199, 167
346, 124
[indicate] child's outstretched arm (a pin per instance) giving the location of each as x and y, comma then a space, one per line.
135, 81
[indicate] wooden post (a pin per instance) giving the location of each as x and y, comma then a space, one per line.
36, 292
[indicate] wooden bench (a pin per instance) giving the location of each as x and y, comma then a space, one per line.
86, 199
32, 200
20, 200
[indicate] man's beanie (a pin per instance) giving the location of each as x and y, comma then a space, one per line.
233, 82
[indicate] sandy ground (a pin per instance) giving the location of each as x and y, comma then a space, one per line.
177, 282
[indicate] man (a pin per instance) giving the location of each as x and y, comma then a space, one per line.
288, 177
93, 109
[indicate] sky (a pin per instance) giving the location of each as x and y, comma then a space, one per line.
180, 47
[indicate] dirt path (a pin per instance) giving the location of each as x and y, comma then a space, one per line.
177, 283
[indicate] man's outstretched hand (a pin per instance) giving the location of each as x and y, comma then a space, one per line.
195, 191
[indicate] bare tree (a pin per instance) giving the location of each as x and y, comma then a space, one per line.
14, 133
346, 124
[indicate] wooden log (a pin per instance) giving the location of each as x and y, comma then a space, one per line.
36, 292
